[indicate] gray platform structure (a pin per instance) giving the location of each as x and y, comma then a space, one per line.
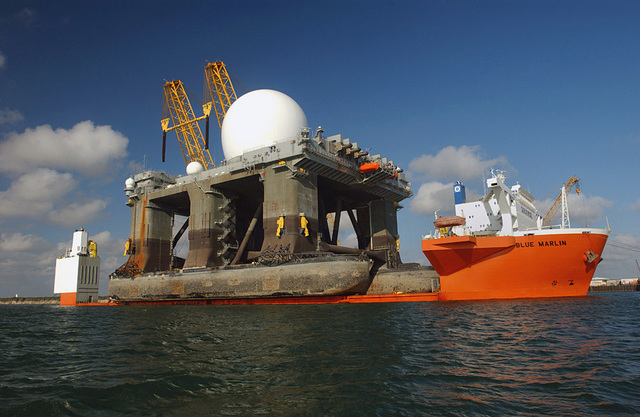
267, 206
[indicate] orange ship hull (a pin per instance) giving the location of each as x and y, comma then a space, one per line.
548, 263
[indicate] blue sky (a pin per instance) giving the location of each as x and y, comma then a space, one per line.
446, 89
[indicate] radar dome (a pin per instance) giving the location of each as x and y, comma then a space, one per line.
260, 118
129, 184
194, 168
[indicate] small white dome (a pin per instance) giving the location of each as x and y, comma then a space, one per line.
129, 184
260, 118
194, 168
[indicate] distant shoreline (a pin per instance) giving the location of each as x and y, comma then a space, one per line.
30, 300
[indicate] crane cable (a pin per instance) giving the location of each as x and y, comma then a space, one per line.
624, 246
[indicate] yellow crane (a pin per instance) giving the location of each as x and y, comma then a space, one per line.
218, 89
560, 201
220, 94
194, 147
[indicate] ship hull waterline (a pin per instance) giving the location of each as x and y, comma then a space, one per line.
549, 263
510, 267
334, 299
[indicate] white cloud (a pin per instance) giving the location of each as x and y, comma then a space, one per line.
43, 184
636, 206
29, 272
622, 248
42, 195
583, 210
92, 150
620, 256
17, 242
8, 116
77, 214
103, 238
463, 163
432, 196
35, 193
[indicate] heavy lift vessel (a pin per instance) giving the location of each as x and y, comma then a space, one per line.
259, 231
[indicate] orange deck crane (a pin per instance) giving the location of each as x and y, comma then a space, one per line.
561, 201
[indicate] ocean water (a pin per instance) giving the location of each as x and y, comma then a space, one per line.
557, 357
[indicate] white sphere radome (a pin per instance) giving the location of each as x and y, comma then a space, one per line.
194, 168
260, 118
129, 184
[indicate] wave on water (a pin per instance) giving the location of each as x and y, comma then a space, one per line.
520, 357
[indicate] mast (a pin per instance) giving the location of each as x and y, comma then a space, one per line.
566, 223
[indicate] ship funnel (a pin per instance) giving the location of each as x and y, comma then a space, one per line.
459, 195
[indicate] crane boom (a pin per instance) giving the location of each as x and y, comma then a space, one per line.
566, 188
193, 145
219, 89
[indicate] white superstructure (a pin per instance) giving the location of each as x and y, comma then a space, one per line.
502, 211
78, 271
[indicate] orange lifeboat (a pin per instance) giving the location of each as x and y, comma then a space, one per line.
449, 221
369, 167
